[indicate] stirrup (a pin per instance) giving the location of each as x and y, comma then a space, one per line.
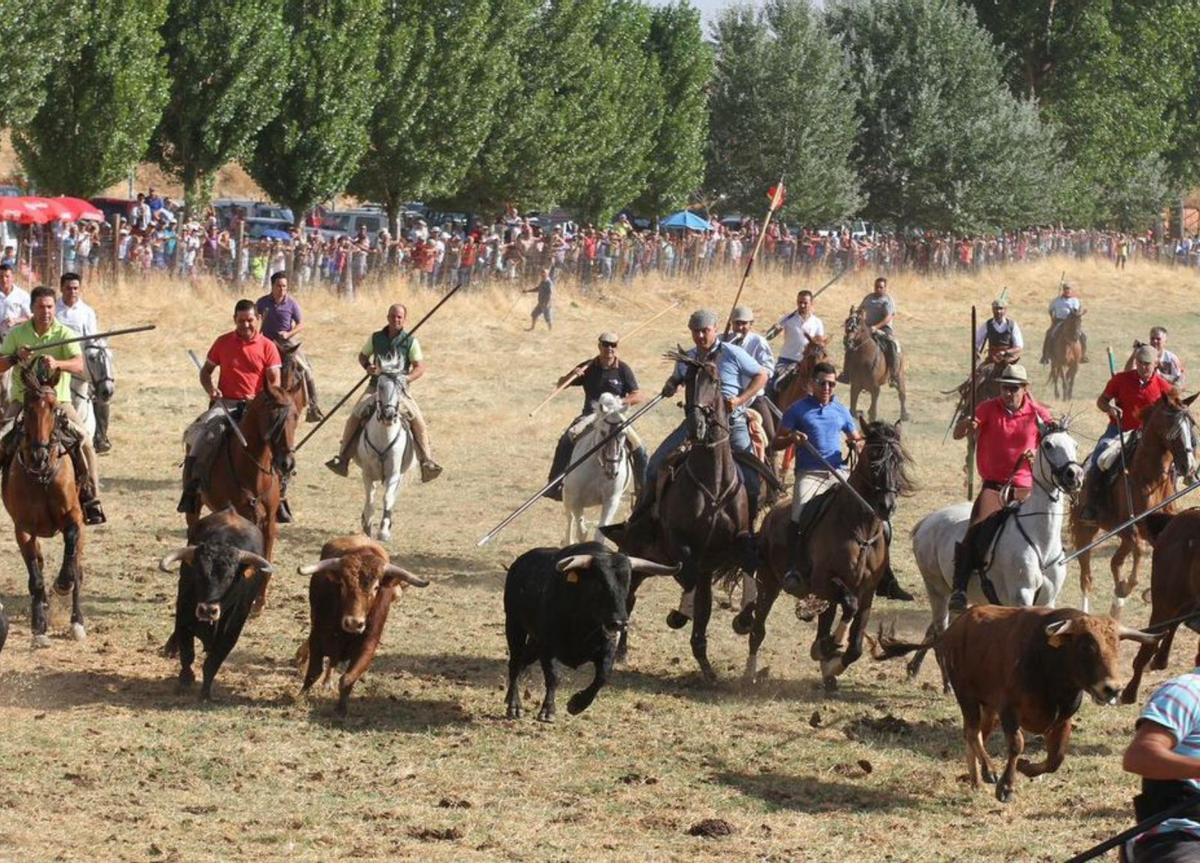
339, 466
795, 584
314, 414
92, 512
958, 602
430, 470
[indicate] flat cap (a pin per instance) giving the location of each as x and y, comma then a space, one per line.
702, 319
608, 336
1146, 354
743, 313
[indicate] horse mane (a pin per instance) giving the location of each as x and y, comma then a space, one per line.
680, 355
895, 457
31, 377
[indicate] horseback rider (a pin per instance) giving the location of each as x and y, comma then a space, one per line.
880, 310
1061, 308
281, 323
18, 346
387, 346
798, 328
14, 309
1005, 430
1001, 335
73, 312
755, 345
1169, 366
603, 373
1126, 397
248, 361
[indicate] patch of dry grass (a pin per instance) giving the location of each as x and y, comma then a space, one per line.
103, 760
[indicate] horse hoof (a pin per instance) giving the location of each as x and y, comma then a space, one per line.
63, 589
831, 684
1003, 793
40, 641
743, 621
78, 632
385, 536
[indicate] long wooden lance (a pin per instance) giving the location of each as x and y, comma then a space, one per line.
367, 376
830, 283
777, 195
1112, 370
576, 373
776, 329
971, 443
1138, 829
92, 337
491, 534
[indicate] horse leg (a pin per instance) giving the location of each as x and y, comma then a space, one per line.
855, 389
902, 393
70, 575
608, 514
32, 556
1163, 652
836, 665
1085, 577
270, 533
701, 612
630, 601
368, 509
390, 489
874, 403
1120, 588
767, 594
1145, 652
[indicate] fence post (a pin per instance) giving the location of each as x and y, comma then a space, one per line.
116, 247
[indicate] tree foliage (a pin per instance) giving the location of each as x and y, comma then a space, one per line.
313, 146
102, 103
943, 144
782, 106
228, 66
32, 41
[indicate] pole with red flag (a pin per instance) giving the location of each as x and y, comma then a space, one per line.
777, 194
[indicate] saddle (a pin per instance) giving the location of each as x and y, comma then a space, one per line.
1109, 461
980, 542
814, 510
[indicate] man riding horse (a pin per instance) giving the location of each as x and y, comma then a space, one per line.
1001, 336
603, 373
248, 361
755, 345
1126, 397
73, 312
1005, 430
799, 327
392, 345
19, 345
281, 323
1169, 365
1061, 308
879, 310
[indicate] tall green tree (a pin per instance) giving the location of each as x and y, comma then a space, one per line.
313, 146
102, 103
444, 66
943, 144
685, 68
782, 106
228, 66
32, 41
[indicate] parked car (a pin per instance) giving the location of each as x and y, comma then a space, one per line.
110, 207
225, 208
257, 228
345, 223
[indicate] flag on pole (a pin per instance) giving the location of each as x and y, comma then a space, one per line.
778, 195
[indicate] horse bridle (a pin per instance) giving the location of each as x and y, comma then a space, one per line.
1058, 473
611, 454
1182, 434
46, 474
385, 407
96, 380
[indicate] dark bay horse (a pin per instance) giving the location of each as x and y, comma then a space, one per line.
865, 366
1066, 352
1166, 441
848, 550
249, 479
798, 377
41, 497
703, 518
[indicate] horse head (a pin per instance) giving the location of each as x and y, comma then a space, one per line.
1056, 463
816, 350
390, 386
1170, 422
608, 410
883, 475
38, 417
704, 403
855, 329
276, 424
100, 371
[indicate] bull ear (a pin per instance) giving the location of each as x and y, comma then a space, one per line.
401, 574
1141, 637
649, 567
614, 532
185, 554
575, 561
1058, 631
320, 566
1188, 401
249, 558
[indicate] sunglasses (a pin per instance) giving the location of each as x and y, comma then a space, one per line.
608, 344
826, 384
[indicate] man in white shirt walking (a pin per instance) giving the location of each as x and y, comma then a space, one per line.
74, 313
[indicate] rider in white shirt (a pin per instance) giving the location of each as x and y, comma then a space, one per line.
799, 327
74, 313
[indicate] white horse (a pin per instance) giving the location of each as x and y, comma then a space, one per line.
1026, 558
385, 450
602, 479
97, 384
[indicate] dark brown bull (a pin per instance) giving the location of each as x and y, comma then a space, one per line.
1024, 669
349, 595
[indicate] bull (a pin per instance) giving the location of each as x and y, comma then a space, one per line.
1025, 669
568, 605
221, 572
350, 592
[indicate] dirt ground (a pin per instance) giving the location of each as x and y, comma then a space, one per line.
103, 760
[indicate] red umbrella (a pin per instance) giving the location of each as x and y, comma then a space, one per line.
16, 209
80, 209
46, 210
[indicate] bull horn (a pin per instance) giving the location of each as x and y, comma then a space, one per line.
404, 575
256, 560
649, 567
184, 553
575, 561
320, 566
1131, 634
1059, 627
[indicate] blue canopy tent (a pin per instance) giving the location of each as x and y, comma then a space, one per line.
684, 220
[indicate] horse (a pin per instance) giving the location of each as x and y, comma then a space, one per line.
1166, 440
42, 498
250, 478
848, 550
1025, 559
1066, 352
385, 450
97, 384
602, 479
703, 520
865, 366
797, 378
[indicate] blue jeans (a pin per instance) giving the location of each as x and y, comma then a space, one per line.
1109, 433
739, 439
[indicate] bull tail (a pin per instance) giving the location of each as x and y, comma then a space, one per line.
886, 646
171, 649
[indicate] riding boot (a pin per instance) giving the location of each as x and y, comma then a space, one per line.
1046, 349
641, 463
283, 513
889, 586
795, 580
962, 577
430, 470
341, 464
314, 413
562, 457
189, 501
93, 514
1088, 510
100, 440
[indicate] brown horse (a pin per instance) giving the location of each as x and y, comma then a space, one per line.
703, 518
798, 377
848, 550
1066, 352
41, 497
1165, 441
865, 366
249, 479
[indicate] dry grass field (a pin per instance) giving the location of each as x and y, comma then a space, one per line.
103, 760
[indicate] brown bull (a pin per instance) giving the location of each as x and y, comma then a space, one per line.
1025, 669
349, 595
